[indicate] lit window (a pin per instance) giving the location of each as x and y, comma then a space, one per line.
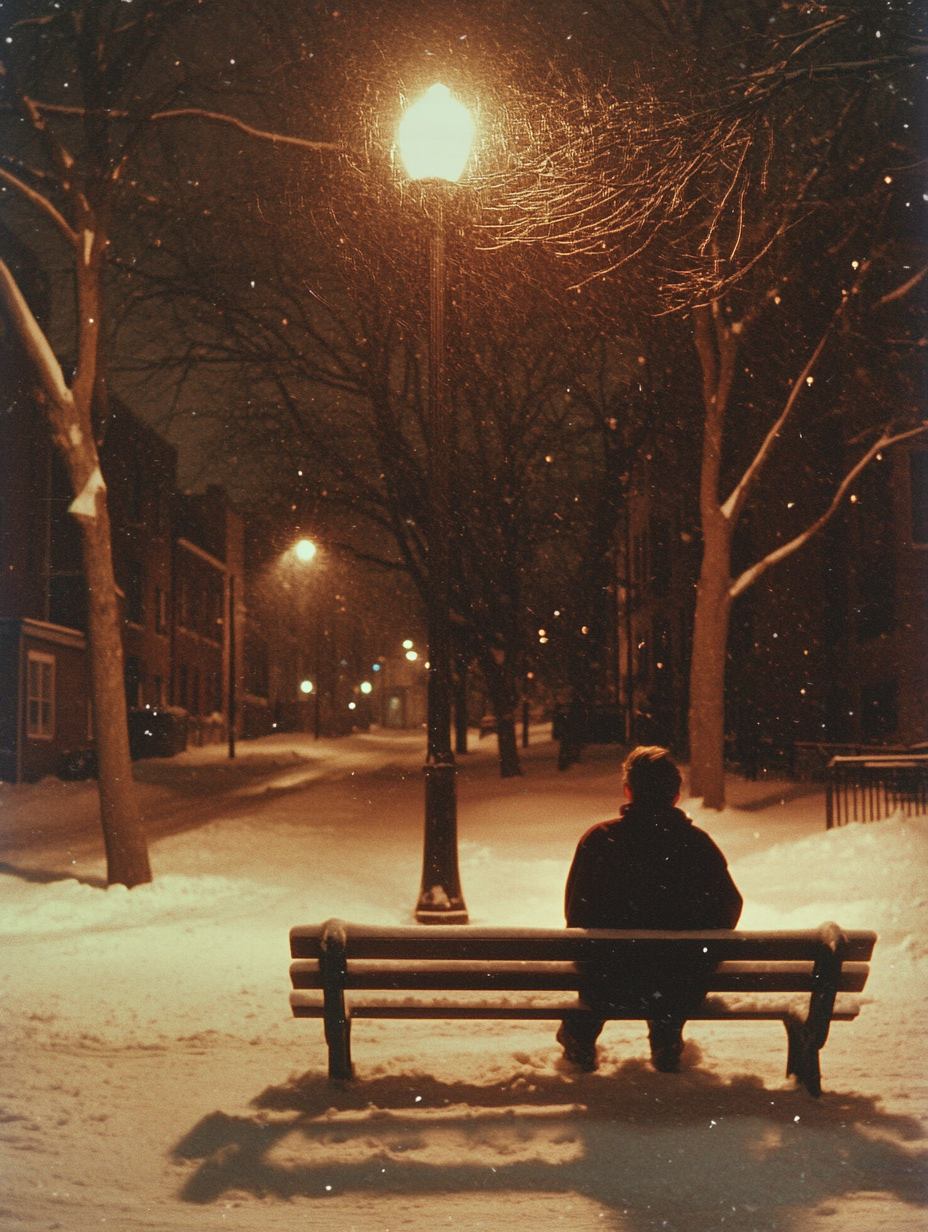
40, 700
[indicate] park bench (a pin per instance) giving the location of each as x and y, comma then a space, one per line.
344, 971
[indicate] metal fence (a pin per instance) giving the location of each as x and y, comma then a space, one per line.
871, 788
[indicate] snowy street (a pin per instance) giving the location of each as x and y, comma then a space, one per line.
154, 1078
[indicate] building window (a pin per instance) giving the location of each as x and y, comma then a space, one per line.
135, 495
879, 709
876, 559
40, 697
181, 693
918, 479
135, 594
161, 611
661, 562
133, 677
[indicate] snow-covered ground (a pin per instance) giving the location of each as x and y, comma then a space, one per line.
154, 1079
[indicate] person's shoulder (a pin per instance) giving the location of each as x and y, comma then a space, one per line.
602, 832
698, 837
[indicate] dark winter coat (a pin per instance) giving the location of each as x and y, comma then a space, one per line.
650, 868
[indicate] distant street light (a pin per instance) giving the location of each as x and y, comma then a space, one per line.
305, 550
366, 686
434, 140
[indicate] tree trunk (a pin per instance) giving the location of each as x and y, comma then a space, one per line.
707, 677
502, 693
460, 708
716, 345
123, 835
509, 764
68, 412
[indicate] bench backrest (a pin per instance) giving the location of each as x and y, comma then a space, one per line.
487, 945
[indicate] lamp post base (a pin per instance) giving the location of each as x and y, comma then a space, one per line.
440, 897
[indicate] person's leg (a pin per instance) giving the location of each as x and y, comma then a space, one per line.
665, 1036
578, 1036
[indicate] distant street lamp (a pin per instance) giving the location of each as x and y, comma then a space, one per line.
434, 140
304, 550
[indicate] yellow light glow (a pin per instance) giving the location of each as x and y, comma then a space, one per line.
305, 549
435, 136
411, 656
306, 686
366, 686
407, 645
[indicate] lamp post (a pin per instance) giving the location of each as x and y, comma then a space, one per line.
434, 140
305, 550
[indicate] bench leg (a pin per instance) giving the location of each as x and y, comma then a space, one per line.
802, 1058
338, 1038
333, 966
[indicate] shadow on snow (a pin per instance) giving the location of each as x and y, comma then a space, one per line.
672, 1151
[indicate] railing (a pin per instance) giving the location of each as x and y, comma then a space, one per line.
875, 787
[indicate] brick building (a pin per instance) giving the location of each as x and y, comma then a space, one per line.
177, 560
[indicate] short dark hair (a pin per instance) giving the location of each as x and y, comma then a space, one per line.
651, 775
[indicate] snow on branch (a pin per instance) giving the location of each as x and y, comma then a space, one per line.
42, 203
754, 572
735, 502
34, 340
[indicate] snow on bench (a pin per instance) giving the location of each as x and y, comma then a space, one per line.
343, 971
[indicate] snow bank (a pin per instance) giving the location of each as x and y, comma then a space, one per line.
862, 876
74, 907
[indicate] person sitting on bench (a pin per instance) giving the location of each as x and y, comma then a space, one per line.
651, 868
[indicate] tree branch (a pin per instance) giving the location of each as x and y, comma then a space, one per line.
34, 340
903, 290
215, 117
42, 203
735, 502
751, 575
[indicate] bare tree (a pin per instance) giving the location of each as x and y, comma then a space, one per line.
778, 173
84, 88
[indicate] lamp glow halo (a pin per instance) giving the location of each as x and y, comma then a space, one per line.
435, 136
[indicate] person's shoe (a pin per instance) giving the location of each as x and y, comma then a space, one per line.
666, 1059
581, 1055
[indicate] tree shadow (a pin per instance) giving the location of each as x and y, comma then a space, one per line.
662, 1150
44, 876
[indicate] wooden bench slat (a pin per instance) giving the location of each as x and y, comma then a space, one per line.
714, 1009
544, 977
436, 943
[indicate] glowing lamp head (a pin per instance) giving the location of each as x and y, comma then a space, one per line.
366, 686
407, 645
435, 136
305, 549
306, 686
411, 656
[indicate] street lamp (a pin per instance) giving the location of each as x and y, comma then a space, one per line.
304, 550
434, 141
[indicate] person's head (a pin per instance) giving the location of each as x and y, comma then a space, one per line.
650, 777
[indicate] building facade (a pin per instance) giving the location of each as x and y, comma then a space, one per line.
178, 563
